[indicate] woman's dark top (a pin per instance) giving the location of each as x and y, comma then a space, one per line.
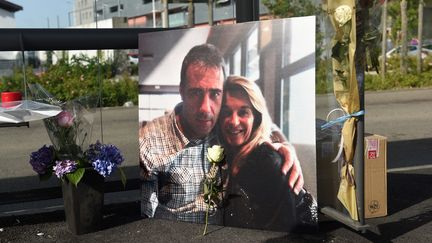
259, 196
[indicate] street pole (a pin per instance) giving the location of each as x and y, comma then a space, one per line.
384, 41
210, 12
165, 20
154, 13
420, 37
95, 13
191, 14
404, 38
69, 19
363, 17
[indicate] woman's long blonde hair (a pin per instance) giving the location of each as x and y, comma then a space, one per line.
262, 122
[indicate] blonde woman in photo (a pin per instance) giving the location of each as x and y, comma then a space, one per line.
257, 194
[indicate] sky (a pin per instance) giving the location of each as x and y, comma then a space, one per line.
41, 13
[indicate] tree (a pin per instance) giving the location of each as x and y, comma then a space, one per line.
296, 8
394, 11
404, 32
290, 8
420, 36
384, 40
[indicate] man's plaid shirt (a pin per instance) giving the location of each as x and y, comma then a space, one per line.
173, 169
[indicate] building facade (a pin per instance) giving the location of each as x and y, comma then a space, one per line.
7, 14
83, 12
7, 20
150, 13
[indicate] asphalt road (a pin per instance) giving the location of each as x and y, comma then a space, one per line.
404, 117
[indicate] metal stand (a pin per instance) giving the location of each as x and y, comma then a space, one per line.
363, 14
21, 124
247, 10
344, 219
362, 18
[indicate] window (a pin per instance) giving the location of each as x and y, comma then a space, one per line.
177, 19
222, 3
236, 65
252, 58
228, 66
113, 9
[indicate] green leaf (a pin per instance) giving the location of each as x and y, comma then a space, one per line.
122, 177
206, 189
76, 176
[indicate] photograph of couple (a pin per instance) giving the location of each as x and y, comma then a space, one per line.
227, 132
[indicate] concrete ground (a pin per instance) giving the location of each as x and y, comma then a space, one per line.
409, 220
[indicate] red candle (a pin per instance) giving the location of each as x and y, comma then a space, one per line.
9, 97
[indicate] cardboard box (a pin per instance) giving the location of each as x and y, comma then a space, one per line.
375, 176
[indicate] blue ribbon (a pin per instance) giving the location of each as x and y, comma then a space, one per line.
342, 119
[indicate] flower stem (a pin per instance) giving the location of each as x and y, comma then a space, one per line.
206, 220
208, 208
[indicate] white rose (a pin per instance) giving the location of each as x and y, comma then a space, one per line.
343, 14
215, 154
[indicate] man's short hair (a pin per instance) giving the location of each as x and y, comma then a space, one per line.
206, 55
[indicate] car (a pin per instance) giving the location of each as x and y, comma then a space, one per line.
412, 51
133, 58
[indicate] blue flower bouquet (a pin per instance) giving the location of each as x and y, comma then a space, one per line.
70, 154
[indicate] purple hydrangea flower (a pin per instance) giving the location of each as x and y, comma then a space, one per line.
42, 159
63, 167
104, 158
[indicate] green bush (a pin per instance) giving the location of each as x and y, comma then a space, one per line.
78, 77
117, 92
393, 64
15, 82
393, 78
68, 80
323, 84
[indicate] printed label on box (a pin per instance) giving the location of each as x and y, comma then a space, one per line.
372, 154
373, 206
372, 148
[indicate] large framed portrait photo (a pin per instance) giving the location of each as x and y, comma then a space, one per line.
276, 58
